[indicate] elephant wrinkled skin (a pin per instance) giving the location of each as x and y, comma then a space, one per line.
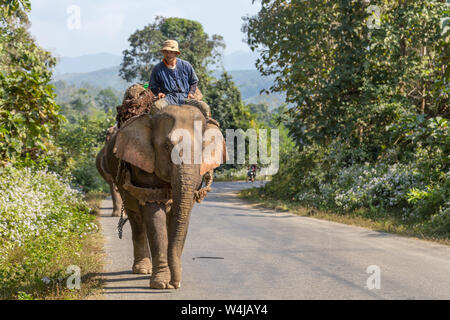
158, 194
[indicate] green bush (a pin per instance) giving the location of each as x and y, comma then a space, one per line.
230, 174
80, 142
86, 176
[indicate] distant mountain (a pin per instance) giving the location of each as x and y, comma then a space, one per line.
108, 77
87, 63
238, 60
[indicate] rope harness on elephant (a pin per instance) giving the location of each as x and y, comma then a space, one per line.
122, 221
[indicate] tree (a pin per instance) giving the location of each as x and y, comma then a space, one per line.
80, 142
13, 9
195, 45
28, 112
107, 100
226, 104
261, 112
81, 101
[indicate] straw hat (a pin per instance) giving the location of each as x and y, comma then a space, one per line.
170, 45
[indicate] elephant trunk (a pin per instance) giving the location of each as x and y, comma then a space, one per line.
185, 181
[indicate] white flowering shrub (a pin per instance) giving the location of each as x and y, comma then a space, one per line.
42, 222
382, 186
403, 188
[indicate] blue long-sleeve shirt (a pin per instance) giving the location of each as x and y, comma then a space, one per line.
174, 83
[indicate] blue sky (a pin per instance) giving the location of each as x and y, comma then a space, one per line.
105, 25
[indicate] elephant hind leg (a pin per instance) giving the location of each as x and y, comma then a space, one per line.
116, 199
155, 220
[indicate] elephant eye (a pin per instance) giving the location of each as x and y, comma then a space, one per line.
167, 146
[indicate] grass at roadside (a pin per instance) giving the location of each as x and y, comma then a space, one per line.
87, 254
94, 200
357, 218
90, 261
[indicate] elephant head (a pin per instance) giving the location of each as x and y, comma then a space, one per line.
152, 143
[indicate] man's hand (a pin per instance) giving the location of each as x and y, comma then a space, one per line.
191, 96
161, 95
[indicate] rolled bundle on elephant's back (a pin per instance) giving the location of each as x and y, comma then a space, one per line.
137, 100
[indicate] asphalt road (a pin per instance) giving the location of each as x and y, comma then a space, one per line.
238, 251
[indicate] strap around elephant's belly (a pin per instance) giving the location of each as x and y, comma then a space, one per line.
147, 195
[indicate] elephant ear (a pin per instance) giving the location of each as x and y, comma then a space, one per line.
214, 149
133, 143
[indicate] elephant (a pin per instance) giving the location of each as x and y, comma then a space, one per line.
100, 162
158, 192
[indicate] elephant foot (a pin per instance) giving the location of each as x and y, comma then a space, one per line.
176, 278
143, 266
116, 213
161, 280
160, 285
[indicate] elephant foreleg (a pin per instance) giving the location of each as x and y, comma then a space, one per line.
142, 263
155, 220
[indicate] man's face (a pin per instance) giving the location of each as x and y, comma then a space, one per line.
169, 55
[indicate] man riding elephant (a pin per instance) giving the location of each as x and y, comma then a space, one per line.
174, 81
